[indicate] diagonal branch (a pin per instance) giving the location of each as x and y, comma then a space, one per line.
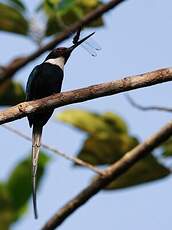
17, 64
88, 93
147, 108
52, 149
110, 173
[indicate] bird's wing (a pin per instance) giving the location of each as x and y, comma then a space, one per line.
30, 88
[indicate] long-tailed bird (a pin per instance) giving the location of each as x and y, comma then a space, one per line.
45, 80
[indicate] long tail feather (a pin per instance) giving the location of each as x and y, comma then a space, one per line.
36, 139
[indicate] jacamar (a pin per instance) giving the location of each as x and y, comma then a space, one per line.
45, 80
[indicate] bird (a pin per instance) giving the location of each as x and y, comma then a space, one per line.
45, 80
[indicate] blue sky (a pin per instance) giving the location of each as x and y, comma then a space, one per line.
136, 38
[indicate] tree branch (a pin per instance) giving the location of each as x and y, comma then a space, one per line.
18, 63
84, 94
112, 172
52, 149
147, 108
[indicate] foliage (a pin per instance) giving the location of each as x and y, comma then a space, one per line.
11, 93
167, 148
108, 139
93, 123
66, 12
18, 4
58, 14
16, 191
146, 170
12, 19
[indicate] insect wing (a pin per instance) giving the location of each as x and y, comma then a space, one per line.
89, 49
93, 44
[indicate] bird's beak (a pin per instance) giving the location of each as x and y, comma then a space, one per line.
79, 42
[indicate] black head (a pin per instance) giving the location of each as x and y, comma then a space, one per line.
59, 52
65, 52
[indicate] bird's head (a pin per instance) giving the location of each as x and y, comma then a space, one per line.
59, 56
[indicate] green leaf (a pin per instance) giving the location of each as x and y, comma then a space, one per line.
6, 212
57, 22
19, 183
53, 26
107, 142
4, 197
96, 23
88, 6
67, 12
56, 6
106, 148
167, 148
93, 123
116, 122
146, 170
11, 20
17, 4
11, 93
86, 121
108, 137
50, 7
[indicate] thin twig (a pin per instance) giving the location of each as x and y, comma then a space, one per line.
52, 149
147, 108
110, 174
17, 64
85, 94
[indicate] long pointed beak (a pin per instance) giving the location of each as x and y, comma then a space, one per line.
79, 42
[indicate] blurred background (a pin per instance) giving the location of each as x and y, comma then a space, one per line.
135, 37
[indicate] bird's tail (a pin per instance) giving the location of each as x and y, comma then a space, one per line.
36, 140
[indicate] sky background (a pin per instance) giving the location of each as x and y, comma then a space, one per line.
136, 38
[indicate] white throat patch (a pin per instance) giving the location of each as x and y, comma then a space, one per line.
60, 61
